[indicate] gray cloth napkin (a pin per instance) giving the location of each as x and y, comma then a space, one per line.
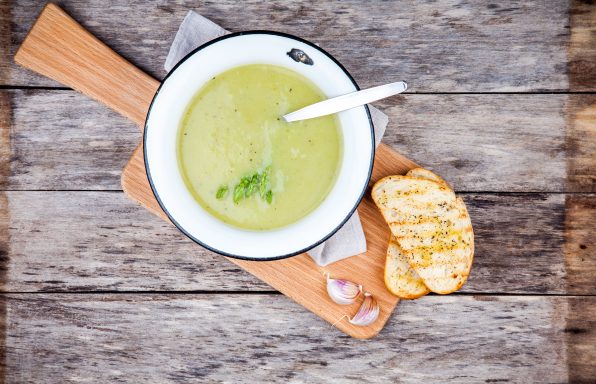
196, 30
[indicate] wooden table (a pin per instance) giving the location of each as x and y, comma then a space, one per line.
502, 104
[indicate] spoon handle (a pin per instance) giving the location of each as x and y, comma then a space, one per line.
347, 101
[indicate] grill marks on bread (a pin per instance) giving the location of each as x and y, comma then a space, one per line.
431, 225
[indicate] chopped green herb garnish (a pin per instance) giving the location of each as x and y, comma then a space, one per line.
264, 182
221, 192
269, 196
253, 185
238, 193
259, 182
243, 186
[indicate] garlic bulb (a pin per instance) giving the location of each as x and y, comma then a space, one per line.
343, 292
368, 312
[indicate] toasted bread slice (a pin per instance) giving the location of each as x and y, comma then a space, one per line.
406, 201
423, 173
444, 262
400, 278
432, 227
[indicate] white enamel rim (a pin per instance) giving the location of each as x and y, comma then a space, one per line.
162, 123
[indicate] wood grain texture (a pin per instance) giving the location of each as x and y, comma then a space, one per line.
580, 342
63, 140
59, 48
5, 40
527, 143
580, 242
581, 65
530, 243
239, 338
98, 241
437, 46
581, 145
5, 139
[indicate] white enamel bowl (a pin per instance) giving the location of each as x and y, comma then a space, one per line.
163, 121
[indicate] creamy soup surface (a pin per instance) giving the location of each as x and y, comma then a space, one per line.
243, 163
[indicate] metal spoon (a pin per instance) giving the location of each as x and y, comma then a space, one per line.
347, 101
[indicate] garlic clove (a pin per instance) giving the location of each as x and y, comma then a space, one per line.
368, 312
343, 292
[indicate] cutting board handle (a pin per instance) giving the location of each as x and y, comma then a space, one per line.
60, 48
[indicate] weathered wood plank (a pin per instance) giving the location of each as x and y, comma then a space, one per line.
101, 241
63, 140
438, 46
582, 46
486, 142
580, 330
241, 338
581, 145
580, 241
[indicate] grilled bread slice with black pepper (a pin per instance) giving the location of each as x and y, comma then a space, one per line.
432, 227
400, 278
444, 262
404, 200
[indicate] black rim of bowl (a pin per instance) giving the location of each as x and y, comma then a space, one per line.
240, 257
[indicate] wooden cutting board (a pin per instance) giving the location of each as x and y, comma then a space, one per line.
59, 48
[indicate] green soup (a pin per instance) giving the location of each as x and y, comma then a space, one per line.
245, 165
